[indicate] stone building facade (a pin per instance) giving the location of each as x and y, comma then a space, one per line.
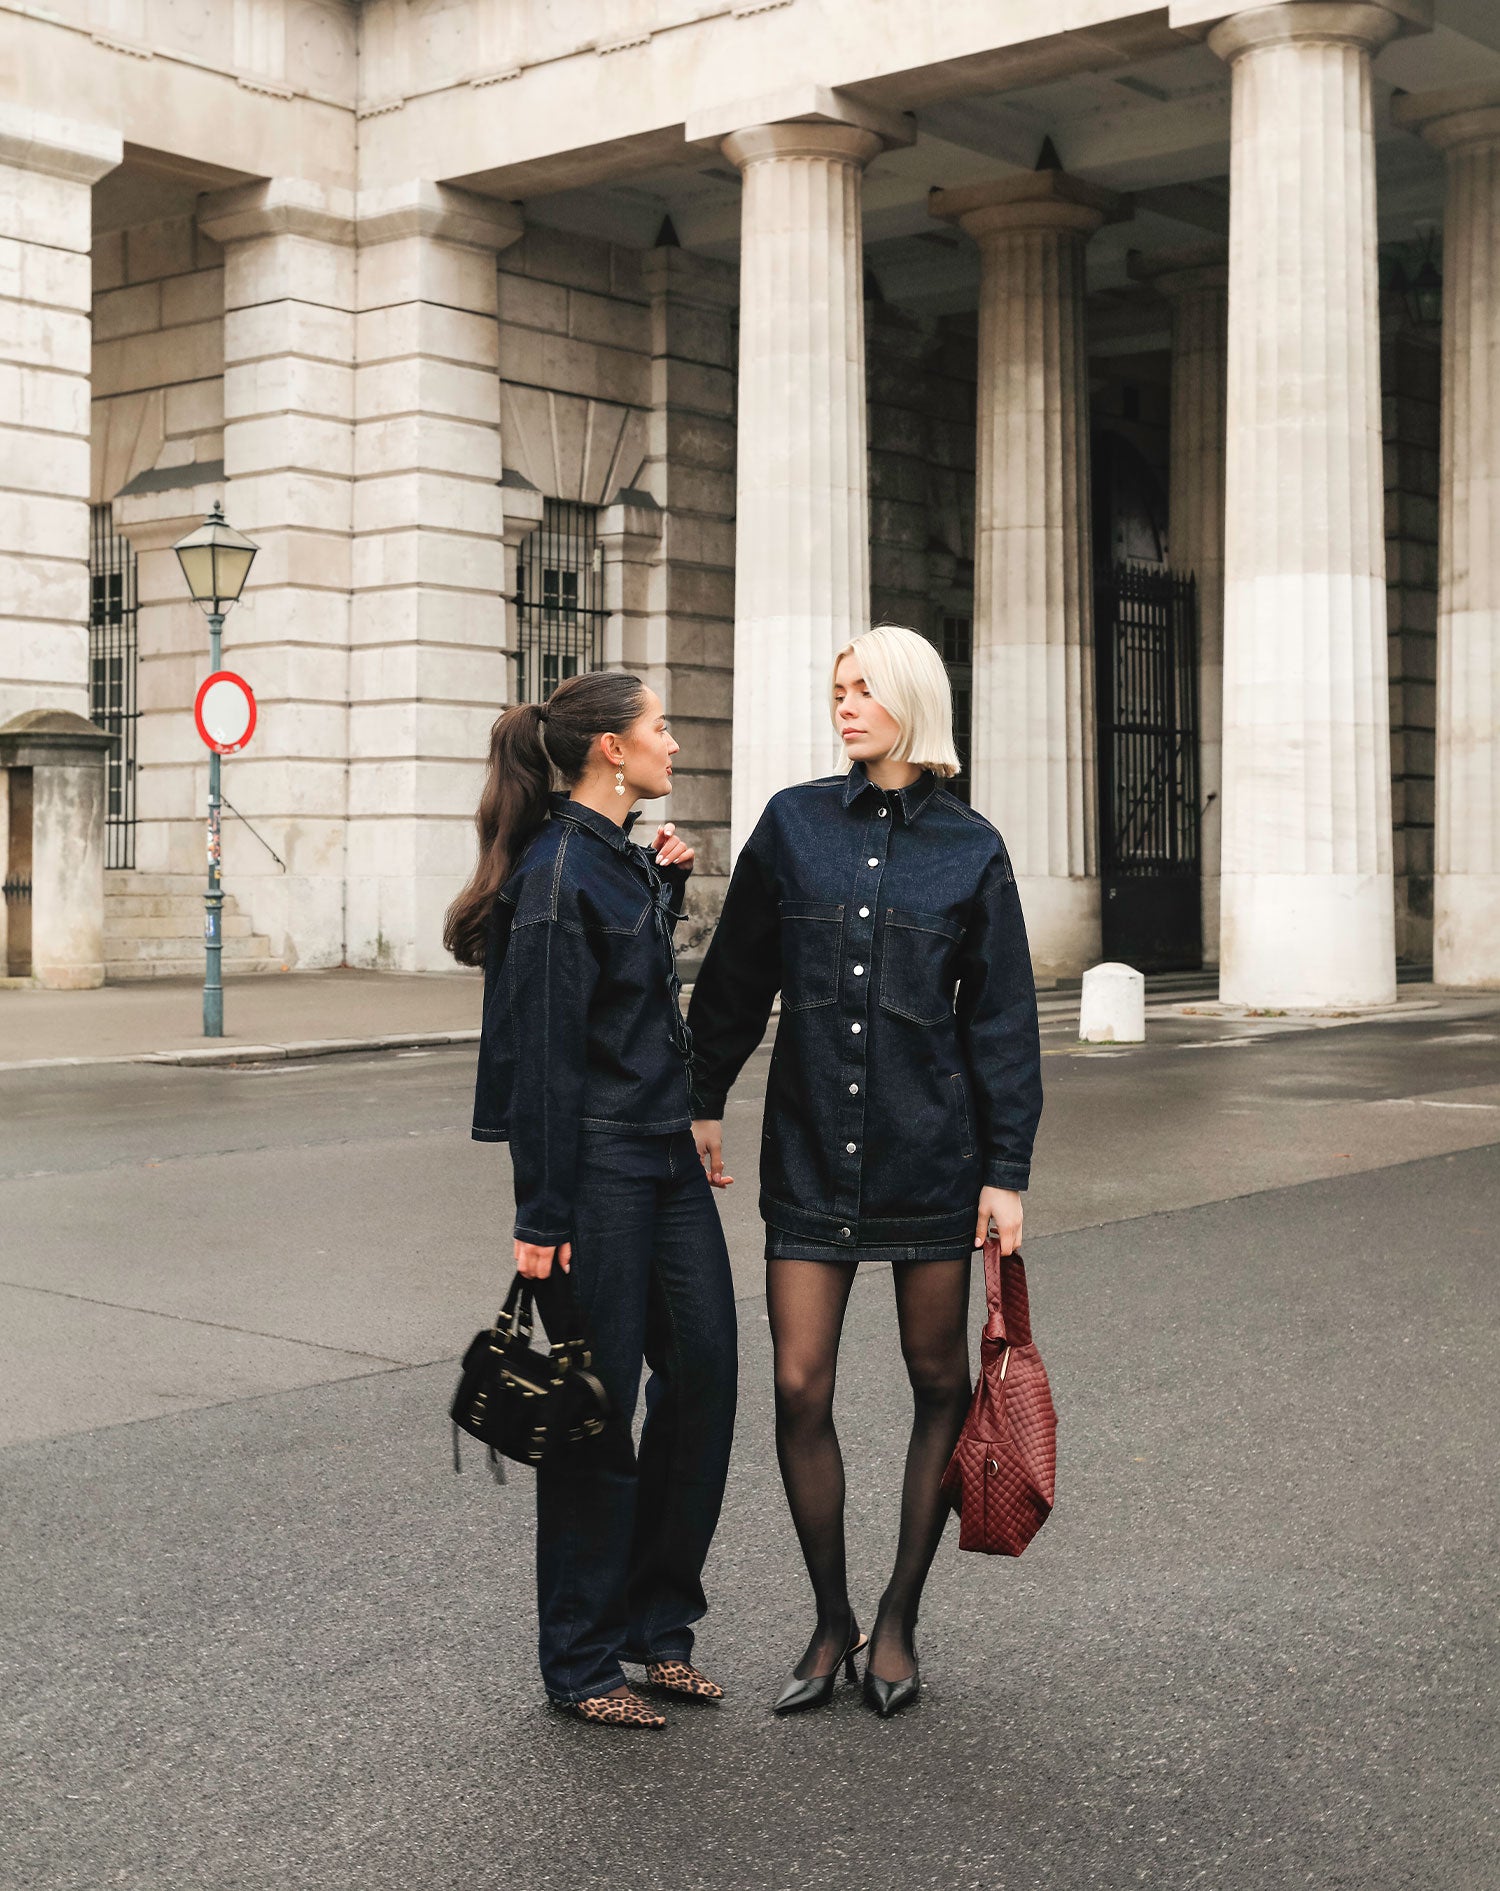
692, 335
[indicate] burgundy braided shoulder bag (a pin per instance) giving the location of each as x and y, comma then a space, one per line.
1001, 1478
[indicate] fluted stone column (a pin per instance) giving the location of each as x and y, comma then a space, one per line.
1033, 691
1465, 123
1195, 282
1307, 909
802, 552
47, 169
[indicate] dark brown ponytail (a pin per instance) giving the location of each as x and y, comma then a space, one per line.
527, 742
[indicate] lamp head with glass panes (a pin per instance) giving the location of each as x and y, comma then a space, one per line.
215, 561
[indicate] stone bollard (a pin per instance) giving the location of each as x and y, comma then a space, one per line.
53, 848
1114, 1006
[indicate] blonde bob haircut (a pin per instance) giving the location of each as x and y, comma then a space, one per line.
906, 677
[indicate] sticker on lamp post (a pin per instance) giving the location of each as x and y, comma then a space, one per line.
225, 712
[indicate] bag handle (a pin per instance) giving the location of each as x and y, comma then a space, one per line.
1009, 1323
553, 1299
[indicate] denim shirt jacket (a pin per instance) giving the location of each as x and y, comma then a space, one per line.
906, 1073
583, 1025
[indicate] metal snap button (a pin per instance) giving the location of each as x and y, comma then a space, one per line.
855, 1029
844, 1234
849, 1148
864, 912
859, 971
882, 812
874, 860
854, 1089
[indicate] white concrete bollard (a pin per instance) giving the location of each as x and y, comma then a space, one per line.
1114, 1006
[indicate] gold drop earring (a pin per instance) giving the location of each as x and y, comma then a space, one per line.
619, 781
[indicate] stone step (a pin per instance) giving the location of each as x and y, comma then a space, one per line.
131, 971
177, 945
172, 926
122, 882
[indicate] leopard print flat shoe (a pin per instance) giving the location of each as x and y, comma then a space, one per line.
679, 1677
626, 1709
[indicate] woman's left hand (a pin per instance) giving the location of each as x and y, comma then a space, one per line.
1000, 1207
670, 851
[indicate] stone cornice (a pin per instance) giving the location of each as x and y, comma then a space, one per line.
423, 208
58, 147
278, 206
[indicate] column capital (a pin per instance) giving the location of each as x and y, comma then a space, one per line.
278, 206
1184, 270
57, 147
423, 208
801, 121
1032, 200
1459, 116
1364, 23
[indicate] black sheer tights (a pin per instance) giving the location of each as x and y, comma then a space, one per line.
806, 1302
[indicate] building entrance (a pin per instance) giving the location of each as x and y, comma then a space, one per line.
1146, 648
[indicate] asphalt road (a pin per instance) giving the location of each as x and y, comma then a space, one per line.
258, 1635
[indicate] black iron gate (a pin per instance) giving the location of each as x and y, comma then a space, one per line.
1146, 640
113, 651
559, 600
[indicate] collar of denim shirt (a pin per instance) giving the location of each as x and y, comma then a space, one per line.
911, 800
566, 809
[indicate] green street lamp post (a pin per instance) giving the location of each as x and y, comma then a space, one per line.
215, 561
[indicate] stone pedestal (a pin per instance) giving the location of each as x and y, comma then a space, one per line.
288, 462
427, 672
47, 168
1465, 123
1307, 899
1033, 743
1195, 281
1112, 1009
802, 555
62, 758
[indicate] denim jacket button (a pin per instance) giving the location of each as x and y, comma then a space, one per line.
855, 1029
844, 1233
864, 912
859, 971
882, 812
874, 860
849, 1148
854, 1089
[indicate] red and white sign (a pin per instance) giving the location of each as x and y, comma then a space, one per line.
225, 712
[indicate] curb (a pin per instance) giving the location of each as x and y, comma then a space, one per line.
261, 1053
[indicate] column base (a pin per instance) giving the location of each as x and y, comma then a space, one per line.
1304, 941
1062, 923
1466, 930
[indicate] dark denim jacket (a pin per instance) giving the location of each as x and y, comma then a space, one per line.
907, 1071
582, 1022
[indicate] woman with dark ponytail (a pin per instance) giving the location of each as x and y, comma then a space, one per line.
583, 1069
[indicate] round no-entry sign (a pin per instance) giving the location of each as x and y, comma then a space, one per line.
225, 712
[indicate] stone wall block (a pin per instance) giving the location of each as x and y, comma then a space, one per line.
407, 330
280, 269
522, 302
442, 388
289, 384
566, 366
441, 502
421, 270
195, 298
561, 257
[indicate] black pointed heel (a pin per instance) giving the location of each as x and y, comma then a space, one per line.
889, 1697
816, 1690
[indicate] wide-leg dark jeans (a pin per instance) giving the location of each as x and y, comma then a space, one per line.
620, 1555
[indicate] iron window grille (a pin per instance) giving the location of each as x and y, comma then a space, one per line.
559, 600
114, 652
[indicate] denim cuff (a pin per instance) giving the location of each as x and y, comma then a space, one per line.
998, 1173
538, 1239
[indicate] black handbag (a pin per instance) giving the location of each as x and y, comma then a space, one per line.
529, 1405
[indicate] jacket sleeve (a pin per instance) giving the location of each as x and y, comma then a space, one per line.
741, 975
997, 1025
555, 973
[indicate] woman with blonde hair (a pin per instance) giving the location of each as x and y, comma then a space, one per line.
901, 1106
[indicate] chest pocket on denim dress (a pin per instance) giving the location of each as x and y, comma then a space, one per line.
916, 980
810, 937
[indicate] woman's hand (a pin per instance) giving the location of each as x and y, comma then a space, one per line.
536, 1263
999, 1208
670, 851
708, 1140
